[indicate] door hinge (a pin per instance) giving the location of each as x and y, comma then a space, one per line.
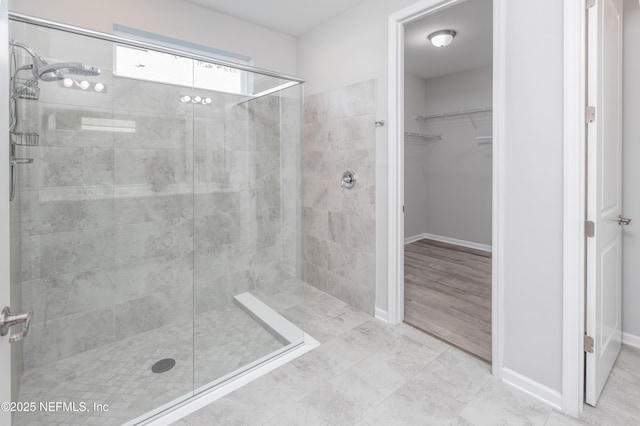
590, 114
588, 344
590, 229
402, 209
590, 3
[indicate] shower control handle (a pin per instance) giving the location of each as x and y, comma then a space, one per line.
15, 161
9, 319
348, 179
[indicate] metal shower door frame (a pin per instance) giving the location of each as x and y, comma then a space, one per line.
20, 17
5, 234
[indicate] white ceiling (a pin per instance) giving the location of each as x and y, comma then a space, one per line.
472, 47
294, 17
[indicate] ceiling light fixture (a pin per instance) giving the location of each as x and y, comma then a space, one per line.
442, 38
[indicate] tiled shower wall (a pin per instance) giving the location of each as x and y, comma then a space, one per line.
119, 229
339, 224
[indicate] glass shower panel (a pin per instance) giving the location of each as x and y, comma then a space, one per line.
106, 225
153, 233
246, 194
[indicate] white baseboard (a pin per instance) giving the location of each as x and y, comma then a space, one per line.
631, 340
454, 241
382, 315
415, 238
533, 388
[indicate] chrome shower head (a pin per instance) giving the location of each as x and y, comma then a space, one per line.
53, 72
45, 71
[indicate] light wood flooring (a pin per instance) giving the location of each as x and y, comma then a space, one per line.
447, 293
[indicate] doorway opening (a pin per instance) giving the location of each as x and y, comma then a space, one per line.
448, 175
475, 115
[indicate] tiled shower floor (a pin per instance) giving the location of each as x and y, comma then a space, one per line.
120, 374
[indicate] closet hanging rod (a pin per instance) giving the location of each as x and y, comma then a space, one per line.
456, 113
425, 137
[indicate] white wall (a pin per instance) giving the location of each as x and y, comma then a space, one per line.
459, 91
416, 156
352, 47
631, 170
448, 182
415, 101
173, 18
533, 203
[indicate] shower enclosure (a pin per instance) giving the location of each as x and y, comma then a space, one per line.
155, 223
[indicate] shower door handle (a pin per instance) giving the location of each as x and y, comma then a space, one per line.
9, 319
14, 161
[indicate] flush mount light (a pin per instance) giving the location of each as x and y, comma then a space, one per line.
442, 38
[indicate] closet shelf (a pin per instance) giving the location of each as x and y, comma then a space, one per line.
465, 112
422, 136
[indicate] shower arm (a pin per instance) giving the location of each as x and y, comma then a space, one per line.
23, 46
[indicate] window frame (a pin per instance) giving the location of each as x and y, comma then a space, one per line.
247, 78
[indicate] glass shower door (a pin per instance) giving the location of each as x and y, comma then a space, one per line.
156, 234
246, 226
153, 233
105, 219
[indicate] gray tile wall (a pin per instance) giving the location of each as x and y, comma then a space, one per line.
107, 217
339, 224
119, 229
291, 137
239, 227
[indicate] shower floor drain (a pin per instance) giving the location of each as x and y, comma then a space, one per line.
163, 365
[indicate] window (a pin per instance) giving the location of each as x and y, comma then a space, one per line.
161, 67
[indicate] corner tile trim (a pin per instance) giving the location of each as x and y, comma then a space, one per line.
277, 325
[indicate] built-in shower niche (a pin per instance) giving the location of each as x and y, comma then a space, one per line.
141, 220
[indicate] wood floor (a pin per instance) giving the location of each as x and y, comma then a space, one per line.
447, 293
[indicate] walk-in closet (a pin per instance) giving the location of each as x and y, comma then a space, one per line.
448, 175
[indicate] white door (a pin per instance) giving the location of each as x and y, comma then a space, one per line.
604, 194
5, 349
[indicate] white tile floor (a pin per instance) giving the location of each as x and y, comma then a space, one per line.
369, 373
